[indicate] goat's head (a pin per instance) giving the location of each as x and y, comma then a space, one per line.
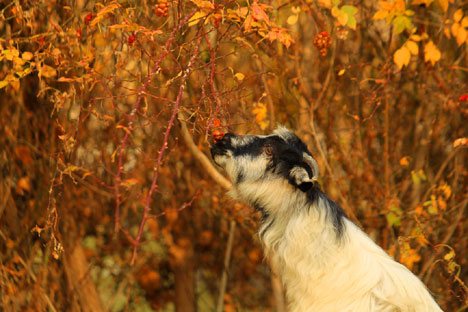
257, 160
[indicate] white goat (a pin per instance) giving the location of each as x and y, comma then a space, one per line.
326, 262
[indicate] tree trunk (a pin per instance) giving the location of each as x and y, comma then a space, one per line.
81, 285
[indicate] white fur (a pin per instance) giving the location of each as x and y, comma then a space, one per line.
322, 272
324, 269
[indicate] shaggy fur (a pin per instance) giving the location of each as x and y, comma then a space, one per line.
326, 262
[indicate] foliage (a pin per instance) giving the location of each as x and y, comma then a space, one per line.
102, 203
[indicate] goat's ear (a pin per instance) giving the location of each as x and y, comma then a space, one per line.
301, 177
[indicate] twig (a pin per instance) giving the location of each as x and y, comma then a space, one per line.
164, 146
330, 172
141, 93
205, 162
447, 237
227, 259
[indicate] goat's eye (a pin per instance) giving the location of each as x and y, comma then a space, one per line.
268, 149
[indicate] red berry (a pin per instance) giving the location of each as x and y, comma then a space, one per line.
79, 33
88, 18
131, 40
217, 135
216, 122
464, 97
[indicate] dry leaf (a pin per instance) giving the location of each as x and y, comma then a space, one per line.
431, 53
412, 47
402, 57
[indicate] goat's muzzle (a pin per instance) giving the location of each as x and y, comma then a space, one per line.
221, 144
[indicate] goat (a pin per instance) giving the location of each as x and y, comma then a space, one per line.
326, 263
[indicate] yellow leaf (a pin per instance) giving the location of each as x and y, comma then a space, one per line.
380, 15
444, 4
454, 29
431, 53
404, 161
239, 76
450, 255
402, 57
195, 18
343, 18
292, 19
464, 22
341, 72
47, 71
27, 56
10, 53
412, 47
457, 16
335, 11
3, 84
461, 36
416, 38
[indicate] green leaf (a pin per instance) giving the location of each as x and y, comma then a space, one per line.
349, 9
401, 23
393, 219
351, 22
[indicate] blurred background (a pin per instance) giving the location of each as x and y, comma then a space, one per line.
108, 200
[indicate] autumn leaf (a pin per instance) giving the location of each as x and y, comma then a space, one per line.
457, 16
27, 56
292, 19
460, 141
196, 18
402, 57
412, 47
461, 36
47, 72
431, 53
239, 76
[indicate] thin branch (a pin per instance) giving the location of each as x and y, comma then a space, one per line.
141, 93
201, 157
227, 259
164, 146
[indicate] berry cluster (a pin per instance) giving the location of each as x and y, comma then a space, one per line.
322, 41
162, 8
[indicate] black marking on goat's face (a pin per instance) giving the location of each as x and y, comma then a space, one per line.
252, 158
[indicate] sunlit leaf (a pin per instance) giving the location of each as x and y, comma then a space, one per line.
412, 47
401, 23
239, 76
431, 53
27, 56
460, 141
443, 4
402, 57
461, 36
450, 255
292, 19
380, 15
457, 16
464, 22
3, 84
196, 18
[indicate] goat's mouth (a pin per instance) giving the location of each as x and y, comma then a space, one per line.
217, 150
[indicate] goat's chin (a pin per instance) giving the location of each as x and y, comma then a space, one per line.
234, 194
